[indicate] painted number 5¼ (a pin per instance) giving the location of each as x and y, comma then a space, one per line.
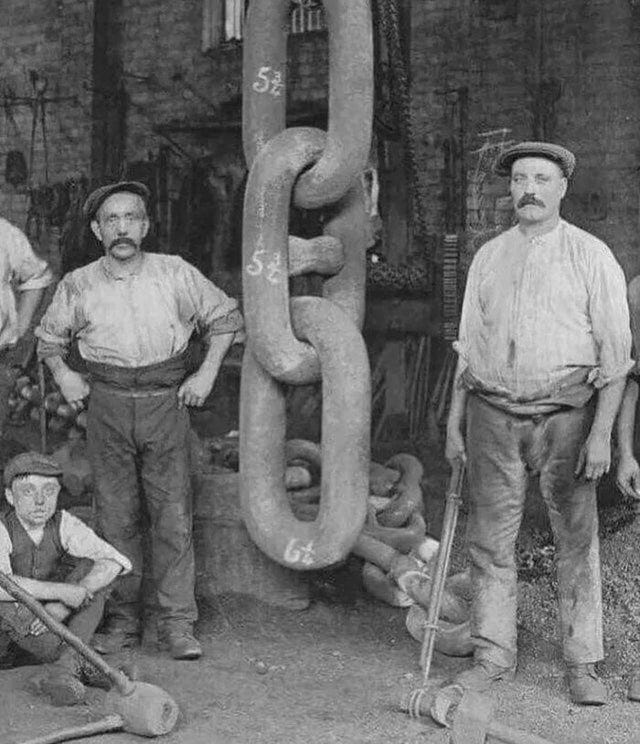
255, 266
297, 552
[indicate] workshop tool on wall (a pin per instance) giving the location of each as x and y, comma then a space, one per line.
144, 709
449, 522
468, 716
305, 339
39, 85
42, 411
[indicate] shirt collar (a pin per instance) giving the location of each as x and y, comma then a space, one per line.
551, 235
104, 264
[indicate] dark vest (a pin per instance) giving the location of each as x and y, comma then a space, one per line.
33, 561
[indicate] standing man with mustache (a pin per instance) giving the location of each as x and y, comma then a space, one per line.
132, 314
544, 348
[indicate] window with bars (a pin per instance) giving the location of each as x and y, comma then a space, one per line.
222, 20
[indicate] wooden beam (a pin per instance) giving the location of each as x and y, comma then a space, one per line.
109, 104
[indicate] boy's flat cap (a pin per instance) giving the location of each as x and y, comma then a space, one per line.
31, 463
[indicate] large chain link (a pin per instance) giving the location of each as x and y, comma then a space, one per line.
302, 340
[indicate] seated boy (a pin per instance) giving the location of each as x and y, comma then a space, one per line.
38, 543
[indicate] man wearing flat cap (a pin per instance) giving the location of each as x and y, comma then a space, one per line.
132, 314
543, 352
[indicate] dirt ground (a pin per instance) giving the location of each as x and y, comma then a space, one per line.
335, 672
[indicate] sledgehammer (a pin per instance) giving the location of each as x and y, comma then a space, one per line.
137, 707
468, 716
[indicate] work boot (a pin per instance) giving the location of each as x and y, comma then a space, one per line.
61, 685
179, 641
634, 687
585, 687
482, 675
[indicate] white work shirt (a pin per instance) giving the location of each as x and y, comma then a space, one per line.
77, 538
20, 270
539, 310
133, 321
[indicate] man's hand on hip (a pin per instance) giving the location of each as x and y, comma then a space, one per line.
195, 389
73, 387
594, 459
628, 476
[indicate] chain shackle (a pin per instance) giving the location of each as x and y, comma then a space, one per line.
350, 93
345, 449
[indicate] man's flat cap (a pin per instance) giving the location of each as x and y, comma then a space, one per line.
557, 154
31, 463
95, 198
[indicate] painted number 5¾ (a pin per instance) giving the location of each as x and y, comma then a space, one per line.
268, 80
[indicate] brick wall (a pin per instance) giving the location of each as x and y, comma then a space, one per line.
54, 40
166, 76
564, 71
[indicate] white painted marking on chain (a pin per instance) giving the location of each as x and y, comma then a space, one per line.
276, 83
255, 266
269, 81
273, 270
297, 552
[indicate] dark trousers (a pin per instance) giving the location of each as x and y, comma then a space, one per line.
502, 449
139, 449
7, 380
16, 619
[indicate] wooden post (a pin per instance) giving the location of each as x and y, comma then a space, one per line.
109, 104
227, 560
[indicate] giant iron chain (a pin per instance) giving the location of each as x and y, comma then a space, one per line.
302, 340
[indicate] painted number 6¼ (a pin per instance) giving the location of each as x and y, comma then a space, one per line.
297, 552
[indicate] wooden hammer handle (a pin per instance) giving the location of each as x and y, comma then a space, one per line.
508, 735
120, 680
103, 726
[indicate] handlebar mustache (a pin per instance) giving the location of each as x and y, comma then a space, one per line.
122, 241
527, 199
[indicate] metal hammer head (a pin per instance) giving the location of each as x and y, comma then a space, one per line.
466, 712
146, 710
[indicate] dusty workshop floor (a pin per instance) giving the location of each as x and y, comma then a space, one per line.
333, 673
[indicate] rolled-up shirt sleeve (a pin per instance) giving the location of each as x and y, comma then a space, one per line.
470, 313
28, 271
80, 541
609, 315
58, 325
214, 312
6, 549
